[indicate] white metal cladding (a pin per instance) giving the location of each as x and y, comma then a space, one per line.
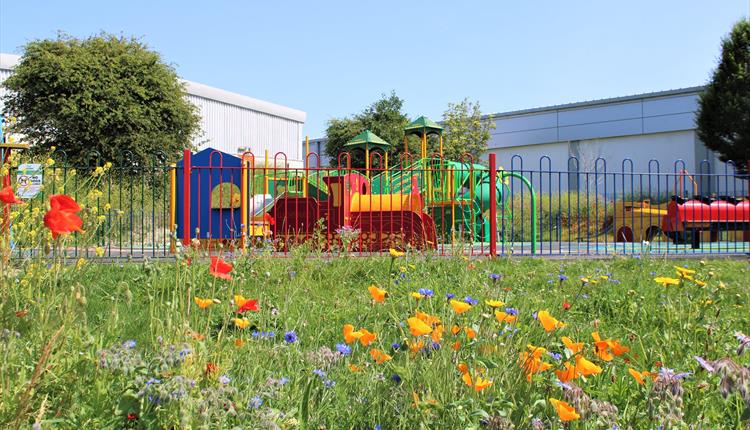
228, 128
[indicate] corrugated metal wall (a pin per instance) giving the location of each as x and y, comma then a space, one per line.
228, 127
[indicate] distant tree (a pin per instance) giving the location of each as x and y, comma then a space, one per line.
385, 117
103, 93
724, 107
465, 130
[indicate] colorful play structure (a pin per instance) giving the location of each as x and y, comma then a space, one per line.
221, 197
683, 219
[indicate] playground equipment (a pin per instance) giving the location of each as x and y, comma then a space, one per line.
682, 220
384, 221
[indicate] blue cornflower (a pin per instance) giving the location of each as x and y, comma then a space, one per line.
470, 300
555, 355
128, 344
377, 426
562, 278
255, 403
343, 349
426, 292
153, 381
224, 379
535, 316
495, 276
283, 380
395, 378
290, 337
396, 346
329, 383
449, 296
435, 345
320, 373
511, 311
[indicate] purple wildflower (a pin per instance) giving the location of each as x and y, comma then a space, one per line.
343, 349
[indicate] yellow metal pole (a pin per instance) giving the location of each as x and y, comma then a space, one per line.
424, 144
172, 205
243, 202
386, 166
265, 174
367, 160
306, 164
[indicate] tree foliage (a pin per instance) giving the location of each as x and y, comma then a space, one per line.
105, 93
465, 130
385, 117
724, 108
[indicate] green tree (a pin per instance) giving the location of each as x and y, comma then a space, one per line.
465, 130
385, 117
105, 93
724, 107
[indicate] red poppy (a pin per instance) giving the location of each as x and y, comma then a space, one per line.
62, 217
132, 416
8, 197
249, 305
220, 268
566, 305
210, 368
64, 203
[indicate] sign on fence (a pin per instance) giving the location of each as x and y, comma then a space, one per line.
29, 180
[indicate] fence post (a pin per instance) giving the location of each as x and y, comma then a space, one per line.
493, 205
187, 166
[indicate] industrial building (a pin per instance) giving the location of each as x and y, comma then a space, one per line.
232, 122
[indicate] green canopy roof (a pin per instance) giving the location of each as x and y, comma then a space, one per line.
367, 140
423, 125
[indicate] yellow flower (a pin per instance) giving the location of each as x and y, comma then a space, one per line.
241, 322
459, 307
396, 253
494, 303
81, 261
683, 271
699, 283
99, 251
416, 295
418, 327
666, 281
203, 303
50, 162
108, 165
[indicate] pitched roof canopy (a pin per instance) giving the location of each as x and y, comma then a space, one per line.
423, 125
367, 140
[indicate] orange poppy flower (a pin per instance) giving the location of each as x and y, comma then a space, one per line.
203, 303
8, 197
354, 368
367, 337
641, 376
418, 327
481, 383
586, 368
459, 307
470, 333
378, 294
568, 374
456, 346
532, 363
456, 329
462, 367
379, 356
415, 347
350, 335
220, 268
574, 347
504, 317
548, 321
437, 333
564, 410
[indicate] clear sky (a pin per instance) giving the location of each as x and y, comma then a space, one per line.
332, 58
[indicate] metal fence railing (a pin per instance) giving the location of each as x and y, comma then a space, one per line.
432, 205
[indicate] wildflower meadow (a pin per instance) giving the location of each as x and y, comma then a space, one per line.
243, 339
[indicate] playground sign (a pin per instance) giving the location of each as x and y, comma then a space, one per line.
29, 180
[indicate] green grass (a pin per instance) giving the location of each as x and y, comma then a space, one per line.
100, 307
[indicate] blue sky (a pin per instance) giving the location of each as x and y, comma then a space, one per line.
332, 58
